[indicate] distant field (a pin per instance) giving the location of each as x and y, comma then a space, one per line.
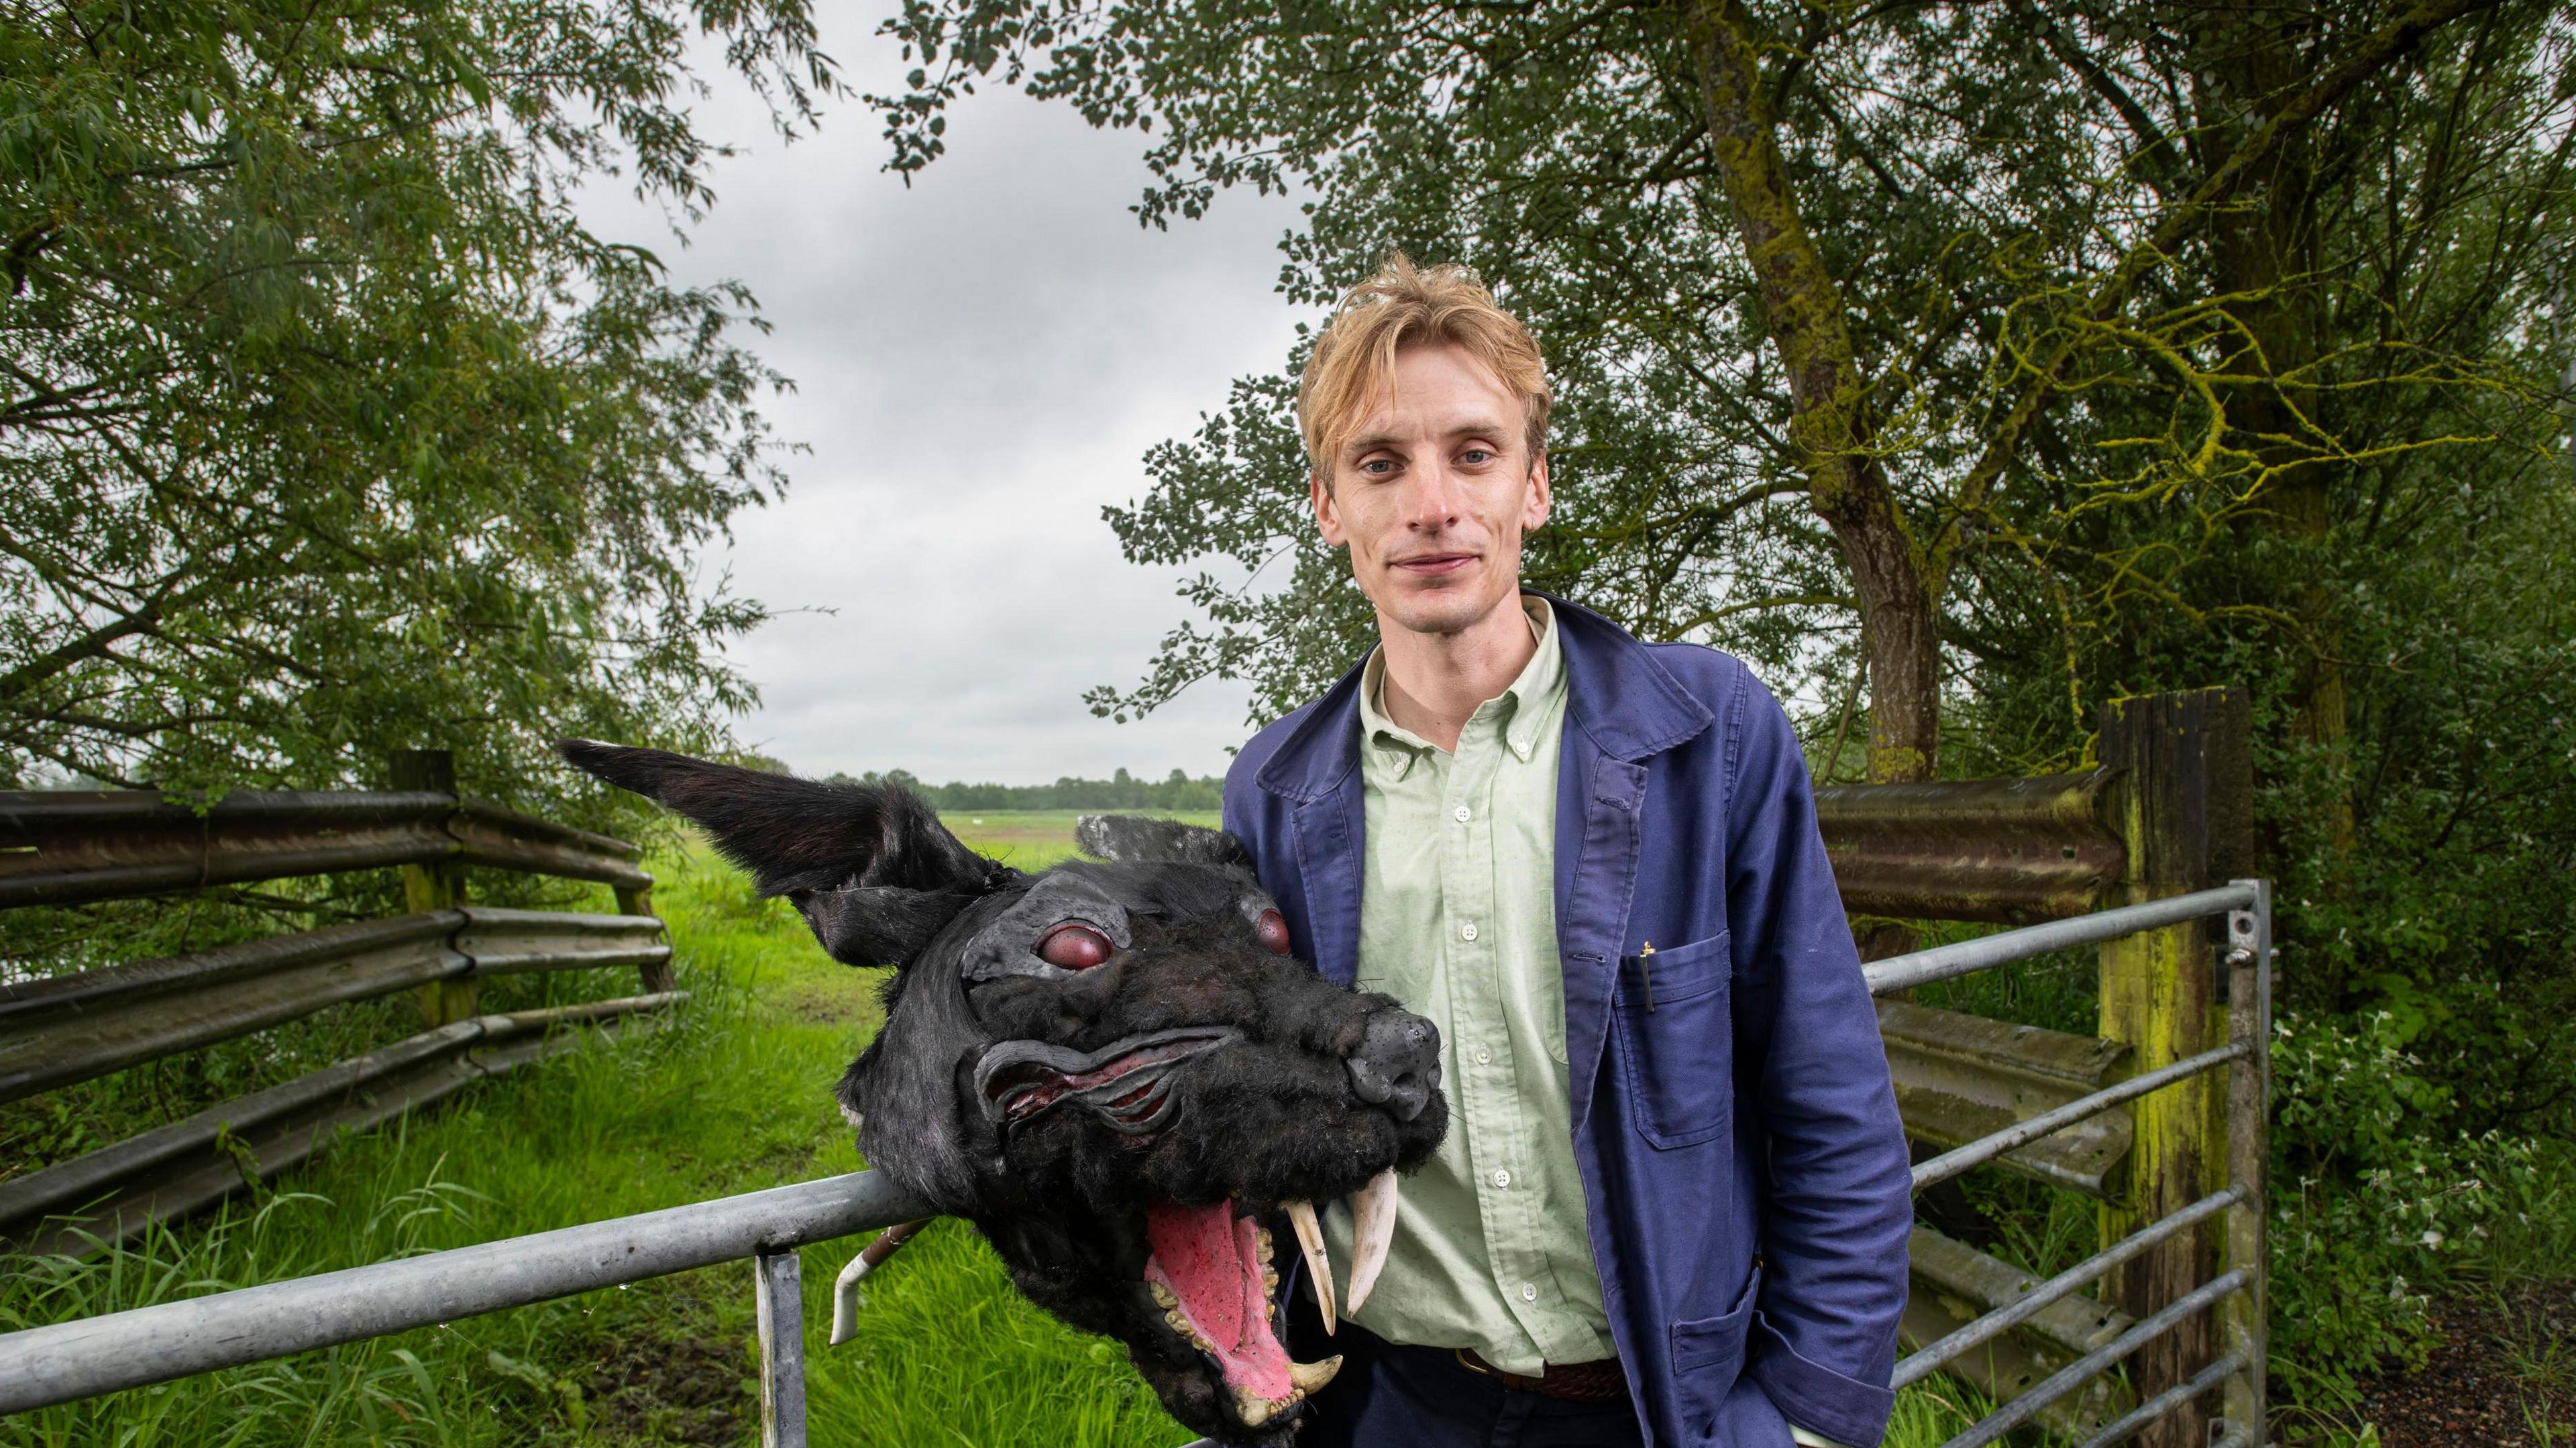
1031, 839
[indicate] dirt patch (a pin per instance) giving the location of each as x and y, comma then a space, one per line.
2503, 1376
692, 1390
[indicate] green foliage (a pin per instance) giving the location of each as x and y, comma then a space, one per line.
2375, 1198
325, 427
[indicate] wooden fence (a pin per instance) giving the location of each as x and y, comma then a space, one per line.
2168, 812
66, 847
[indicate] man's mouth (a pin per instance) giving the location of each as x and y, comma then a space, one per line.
1209, 1271
1432, 565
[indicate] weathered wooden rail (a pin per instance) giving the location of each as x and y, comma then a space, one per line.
66, 848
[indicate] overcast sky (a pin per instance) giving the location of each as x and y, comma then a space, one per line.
981, 362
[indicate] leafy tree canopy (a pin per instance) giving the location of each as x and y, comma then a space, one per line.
325, 426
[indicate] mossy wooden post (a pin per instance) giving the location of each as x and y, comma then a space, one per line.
438, 885
638, 900
2183, 809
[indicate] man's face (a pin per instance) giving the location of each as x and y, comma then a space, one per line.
1433, 491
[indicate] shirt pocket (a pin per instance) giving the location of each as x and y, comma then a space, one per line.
1677, 1041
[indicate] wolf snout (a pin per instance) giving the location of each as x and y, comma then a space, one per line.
1397, 1064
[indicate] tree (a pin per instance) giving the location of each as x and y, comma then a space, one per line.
325, 427
1864, 257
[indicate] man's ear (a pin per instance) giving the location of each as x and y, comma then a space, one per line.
870, 867
1542, 498
1328, 508
1129, 840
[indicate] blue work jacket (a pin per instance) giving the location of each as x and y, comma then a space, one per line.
1744, 1173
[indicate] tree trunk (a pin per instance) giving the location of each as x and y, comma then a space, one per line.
2265, 250
1832, 430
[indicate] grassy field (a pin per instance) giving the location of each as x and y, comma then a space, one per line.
734, 1098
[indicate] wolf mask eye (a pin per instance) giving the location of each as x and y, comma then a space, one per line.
1272, 931
1074, 946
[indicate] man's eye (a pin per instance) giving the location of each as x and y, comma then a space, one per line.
1476, 455
1378, 467
1074, 946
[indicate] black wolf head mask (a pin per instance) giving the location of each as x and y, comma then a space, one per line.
1113, 1069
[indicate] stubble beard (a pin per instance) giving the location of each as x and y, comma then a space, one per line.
1448, 612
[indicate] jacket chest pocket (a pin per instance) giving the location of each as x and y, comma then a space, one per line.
1677, 1041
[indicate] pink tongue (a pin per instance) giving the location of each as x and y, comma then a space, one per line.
1212, 1263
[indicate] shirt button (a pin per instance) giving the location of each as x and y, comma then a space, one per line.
1467, 931
1529, 1292
1484, 1056
1502, 1178
1460, 814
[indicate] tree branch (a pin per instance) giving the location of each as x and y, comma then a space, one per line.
2382, 48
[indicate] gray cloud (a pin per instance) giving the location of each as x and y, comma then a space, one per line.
981, 361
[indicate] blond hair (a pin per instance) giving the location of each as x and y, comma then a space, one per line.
1409, 306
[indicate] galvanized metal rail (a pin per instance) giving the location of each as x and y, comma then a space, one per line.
48, 1365
2248, 906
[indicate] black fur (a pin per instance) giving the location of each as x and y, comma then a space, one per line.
1273, 1116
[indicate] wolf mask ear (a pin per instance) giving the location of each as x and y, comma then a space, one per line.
870, 867
1133, 840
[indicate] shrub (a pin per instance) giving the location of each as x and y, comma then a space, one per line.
2373, 1197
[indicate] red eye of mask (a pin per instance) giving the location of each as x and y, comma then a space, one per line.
1074, 946
1272, 931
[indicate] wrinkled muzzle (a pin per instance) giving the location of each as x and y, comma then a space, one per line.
1126, 1084
1212, 1136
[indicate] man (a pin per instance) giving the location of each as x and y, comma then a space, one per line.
1673, 1203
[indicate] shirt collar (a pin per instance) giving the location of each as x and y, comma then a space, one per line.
1521, 706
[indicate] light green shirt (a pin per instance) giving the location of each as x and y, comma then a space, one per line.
1458, 921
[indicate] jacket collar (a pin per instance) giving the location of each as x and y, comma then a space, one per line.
1628, 704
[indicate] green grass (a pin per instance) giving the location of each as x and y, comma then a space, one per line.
734, 1098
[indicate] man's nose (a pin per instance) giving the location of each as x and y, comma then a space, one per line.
1435, 497
1397, 1065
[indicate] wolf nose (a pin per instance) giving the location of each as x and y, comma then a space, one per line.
1397, 1065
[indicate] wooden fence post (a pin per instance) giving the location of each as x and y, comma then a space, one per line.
438, 885
2182, 806
638, 900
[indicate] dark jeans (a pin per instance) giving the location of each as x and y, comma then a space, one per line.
1390, 1396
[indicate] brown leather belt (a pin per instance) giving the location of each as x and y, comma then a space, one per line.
1598, 1382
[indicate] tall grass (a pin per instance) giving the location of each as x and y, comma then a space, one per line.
733, 1098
